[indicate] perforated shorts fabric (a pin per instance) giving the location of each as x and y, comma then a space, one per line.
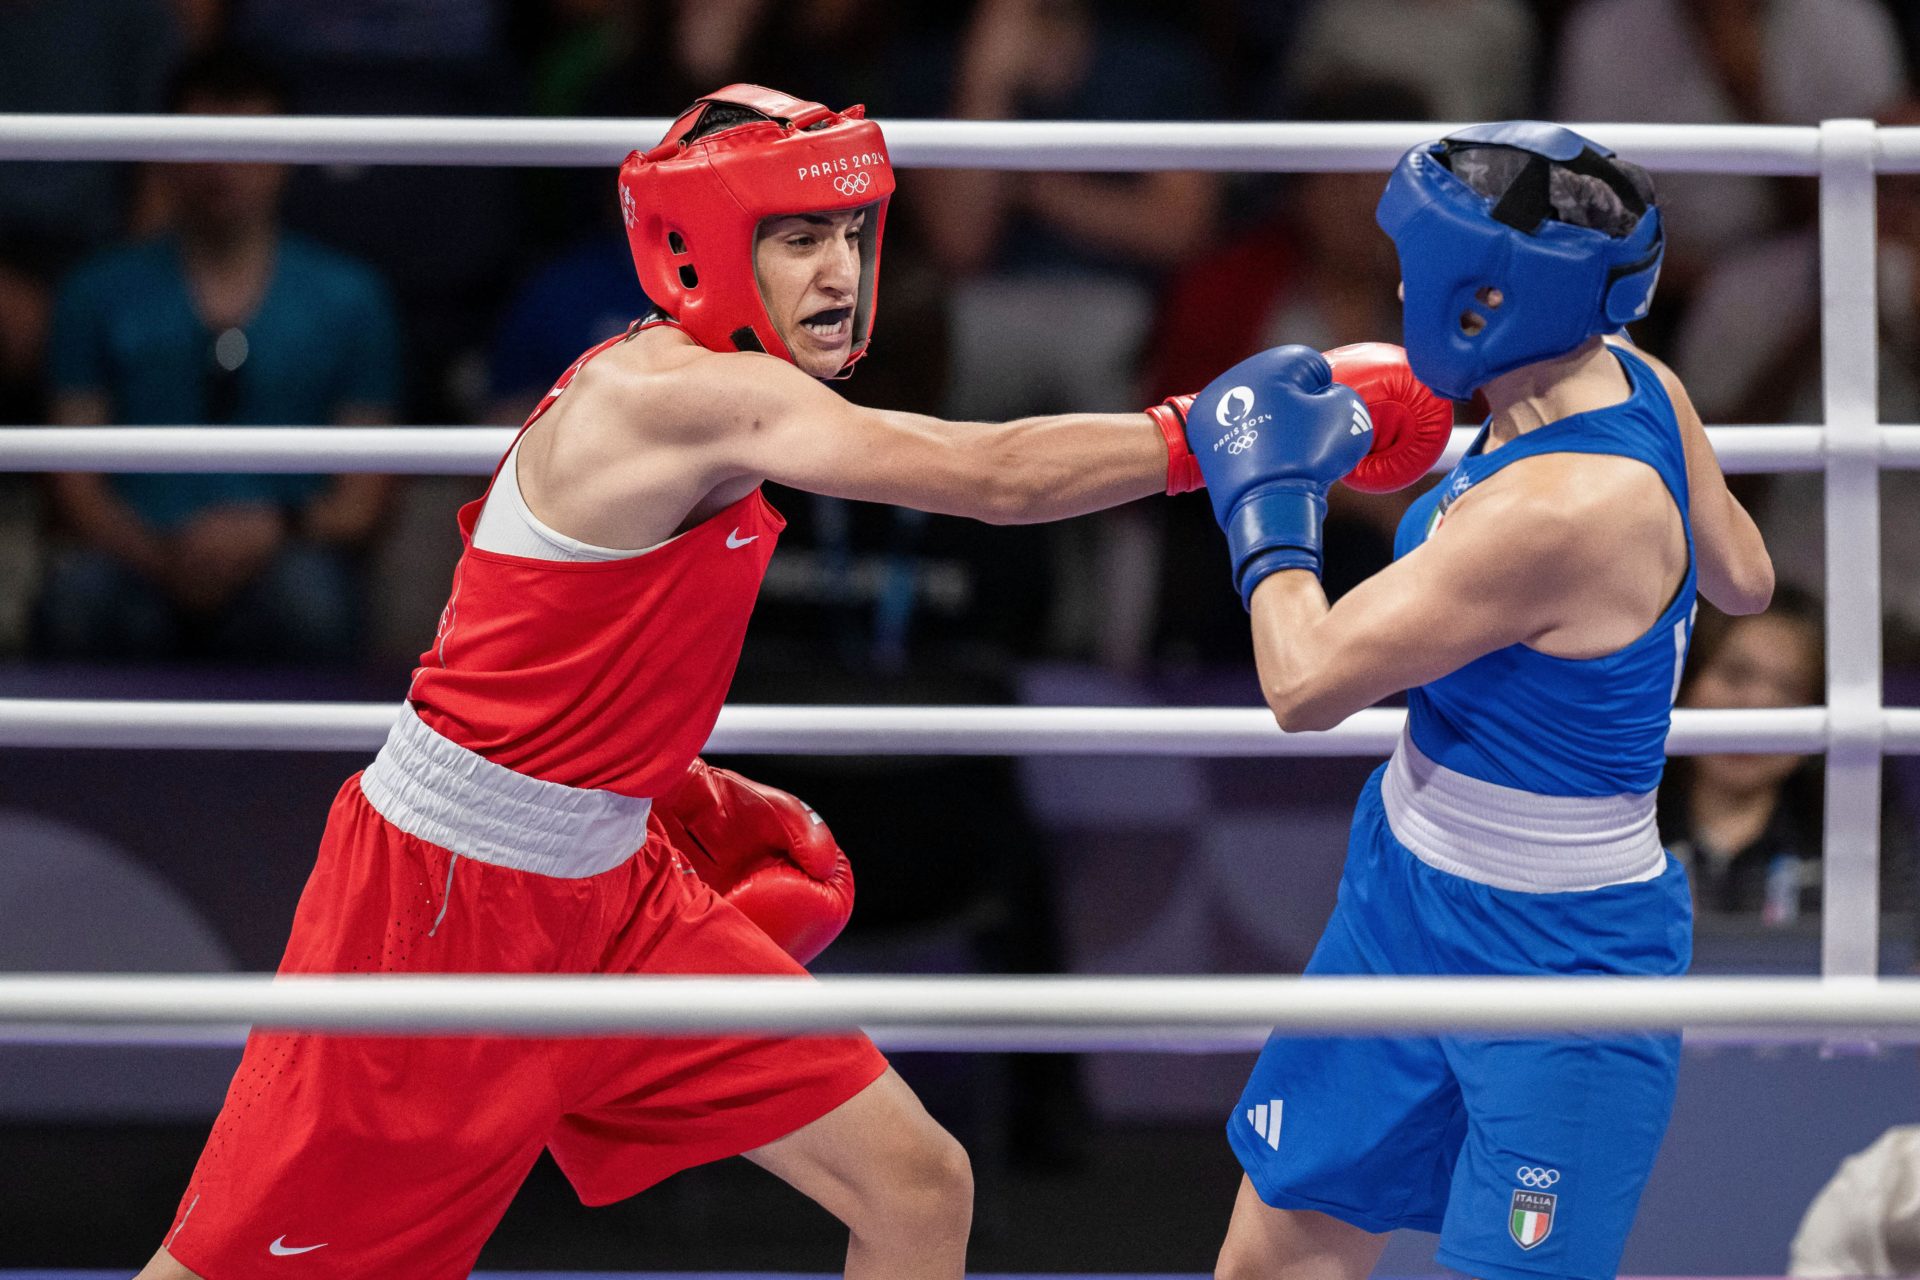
339, 1156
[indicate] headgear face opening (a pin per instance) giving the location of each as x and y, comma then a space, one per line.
693, 208
1494, 283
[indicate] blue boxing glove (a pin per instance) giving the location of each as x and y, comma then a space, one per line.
1272, 434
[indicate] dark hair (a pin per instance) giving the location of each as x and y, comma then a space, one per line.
226, 76
1580, 199
721, 116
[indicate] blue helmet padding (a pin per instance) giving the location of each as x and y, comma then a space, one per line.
1559, 284
1542, 137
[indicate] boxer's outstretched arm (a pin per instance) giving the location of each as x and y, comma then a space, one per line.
770, 420
1513, 563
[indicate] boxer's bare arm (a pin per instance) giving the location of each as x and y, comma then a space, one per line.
1736, 573
1515, 562
762, 418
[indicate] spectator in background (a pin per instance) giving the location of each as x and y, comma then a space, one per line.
1056, 273
65, 56
443, 237
1747, 827
573, 302
1866, 1220
227, 320
1749, 348
1467, 59
1725, 62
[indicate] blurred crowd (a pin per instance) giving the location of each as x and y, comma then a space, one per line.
230, 294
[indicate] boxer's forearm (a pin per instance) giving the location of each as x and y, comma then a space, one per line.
1287, 610
1051, 468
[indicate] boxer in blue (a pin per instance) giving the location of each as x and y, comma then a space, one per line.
1538, 612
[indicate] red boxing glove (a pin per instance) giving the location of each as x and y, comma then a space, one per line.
1183, 469
1411, 425
765, 852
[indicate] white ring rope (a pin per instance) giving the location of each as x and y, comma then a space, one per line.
477, 450
1065, 1010
951, 144
858, 730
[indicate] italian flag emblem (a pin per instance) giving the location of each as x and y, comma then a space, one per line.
1530, 1219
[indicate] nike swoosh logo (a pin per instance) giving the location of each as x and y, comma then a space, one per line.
735, 541
280, 1249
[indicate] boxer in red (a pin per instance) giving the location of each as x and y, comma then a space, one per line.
538, 808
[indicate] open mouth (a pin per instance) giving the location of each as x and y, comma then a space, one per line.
830, 325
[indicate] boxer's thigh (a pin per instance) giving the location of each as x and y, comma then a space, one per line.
362, 1155
1561, 1137
649, 1106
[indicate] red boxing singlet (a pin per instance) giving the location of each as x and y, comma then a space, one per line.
602, 674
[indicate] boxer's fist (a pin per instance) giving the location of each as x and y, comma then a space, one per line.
765, 852
1271, 435
1411, 425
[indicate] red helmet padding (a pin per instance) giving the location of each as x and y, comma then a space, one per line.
693, 208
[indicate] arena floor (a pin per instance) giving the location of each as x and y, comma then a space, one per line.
745, 1275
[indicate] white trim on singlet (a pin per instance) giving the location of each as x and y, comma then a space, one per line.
507, 525
431, 787
1513, 839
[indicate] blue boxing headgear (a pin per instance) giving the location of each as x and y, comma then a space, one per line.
1557, 284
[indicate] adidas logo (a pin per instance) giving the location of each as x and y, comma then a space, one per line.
1265, 1119
1361, 422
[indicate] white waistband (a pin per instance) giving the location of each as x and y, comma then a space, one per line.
1513, 839
433, 788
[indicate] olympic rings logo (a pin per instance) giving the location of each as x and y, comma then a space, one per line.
1531, 1177
1243, 443
853, 186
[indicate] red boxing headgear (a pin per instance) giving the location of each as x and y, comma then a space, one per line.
693, 207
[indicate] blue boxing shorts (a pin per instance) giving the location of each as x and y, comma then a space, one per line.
1528, 1156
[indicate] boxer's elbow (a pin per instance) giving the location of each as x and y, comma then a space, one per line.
1744, 587
1305, 717
1300, 703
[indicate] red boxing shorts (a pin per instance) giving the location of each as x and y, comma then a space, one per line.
339, 1156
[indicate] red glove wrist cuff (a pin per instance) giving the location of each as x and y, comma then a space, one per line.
1183, 469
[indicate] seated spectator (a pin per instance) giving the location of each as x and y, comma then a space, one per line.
1725, 62
571, 303
1749, 349
225, 320
1467, 59
1057, 272
1866, 1220
1747, 827
65, 56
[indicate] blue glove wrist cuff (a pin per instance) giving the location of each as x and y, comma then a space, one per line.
1275, 527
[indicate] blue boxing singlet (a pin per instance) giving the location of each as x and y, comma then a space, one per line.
1565, 752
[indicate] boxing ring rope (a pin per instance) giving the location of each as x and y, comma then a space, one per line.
1088, 146
866, 730
1854, 728
477, 450
1204, 1014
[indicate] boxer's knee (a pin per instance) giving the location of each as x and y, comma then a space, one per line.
925, 1192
